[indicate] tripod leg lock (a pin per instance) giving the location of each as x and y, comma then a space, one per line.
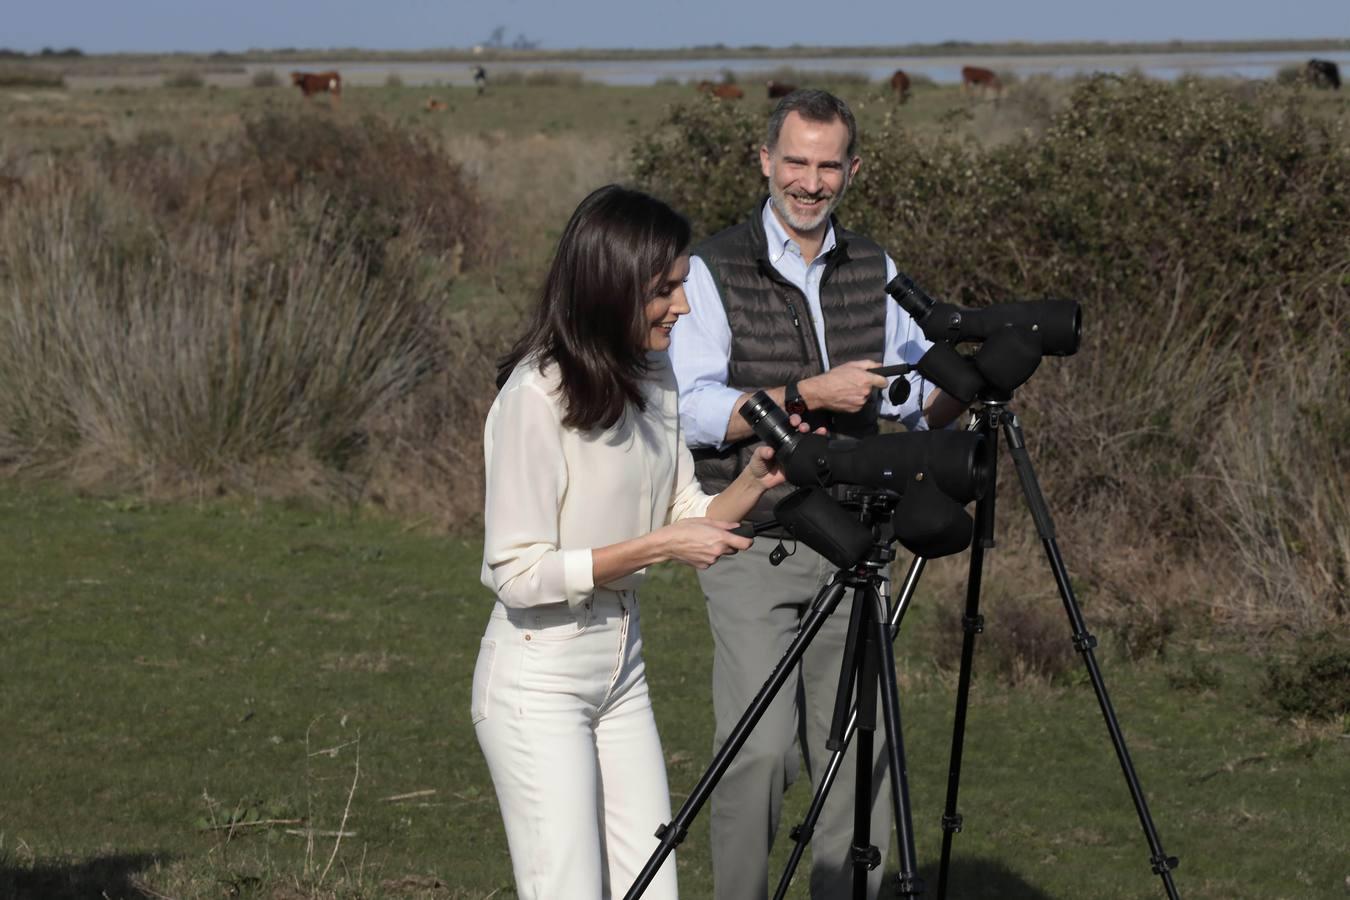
675, 840
952, 823
973, 624
1084, 642
1162, 864
801, 834
909, 886
868, 855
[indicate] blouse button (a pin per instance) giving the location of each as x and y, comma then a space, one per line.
527, 637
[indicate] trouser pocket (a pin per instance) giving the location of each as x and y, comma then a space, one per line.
482, 680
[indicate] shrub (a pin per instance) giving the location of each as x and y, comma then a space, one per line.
393, 80
1194, 222
1024, 640
266, 78
246, 315
182, 360
184, 80
1316, 683
30, 77
382, 183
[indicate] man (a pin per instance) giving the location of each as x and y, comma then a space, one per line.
789, 302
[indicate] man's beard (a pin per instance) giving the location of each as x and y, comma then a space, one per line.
781, 199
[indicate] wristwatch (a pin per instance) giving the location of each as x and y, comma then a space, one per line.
793, 401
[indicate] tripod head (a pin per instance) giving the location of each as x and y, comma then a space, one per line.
918, 482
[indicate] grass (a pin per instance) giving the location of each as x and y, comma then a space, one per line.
171, 670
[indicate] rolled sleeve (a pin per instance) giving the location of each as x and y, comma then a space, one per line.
700, 351
523, 562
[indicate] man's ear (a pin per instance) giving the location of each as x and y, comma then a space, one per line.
764, 161
853, 167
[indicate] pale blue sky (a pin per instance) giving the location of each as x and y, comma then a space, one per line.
193, 25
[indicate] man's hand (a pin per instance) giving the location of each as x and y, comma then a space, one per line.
845, 388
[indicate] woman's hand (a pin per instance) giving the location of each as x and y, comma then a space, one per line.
699, 542
763, 468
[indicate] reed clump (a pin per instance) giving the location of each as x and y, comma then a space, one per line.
260, 314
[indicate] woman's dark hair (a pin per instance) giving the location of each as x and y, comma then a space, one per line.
612, 257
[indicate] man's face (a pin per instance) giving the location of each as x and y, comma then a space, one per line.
808, 171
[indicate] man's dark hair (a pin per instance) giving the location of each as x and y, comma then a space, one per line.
814, 106
590, 320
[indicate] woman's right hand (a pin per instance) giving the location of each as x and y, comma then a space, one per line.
699, 542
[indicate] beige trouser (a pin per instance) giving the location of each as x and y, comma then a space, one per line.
755, 609
561, 710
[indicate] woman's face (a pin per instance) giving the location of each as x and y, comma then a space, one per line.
667, 305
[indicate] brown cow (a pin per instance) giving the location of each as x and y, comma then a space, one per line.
434, 105
974, 78
778, 89
727, 92
311, 83
900, 85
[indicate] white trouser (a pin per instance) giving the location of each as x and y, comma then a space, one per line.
561, 710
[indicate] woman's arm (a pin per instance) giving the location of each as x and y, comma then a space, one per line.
523, 562
695, 541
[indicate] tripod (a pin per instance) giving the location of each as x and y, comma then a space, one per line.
868, 663
991, 416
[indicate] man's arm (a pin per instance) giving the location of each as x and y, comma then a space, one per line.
845, 388
700, 350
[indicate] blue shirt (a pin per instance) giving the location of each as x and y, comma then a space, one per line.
700, 347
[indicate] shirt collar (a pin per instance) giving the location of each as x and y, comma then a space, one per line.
778, 239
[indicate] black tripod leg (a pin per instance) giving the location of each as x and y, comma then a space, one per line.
672, 835
865, 856
972, 624
909, 883
1083, 641
801, 835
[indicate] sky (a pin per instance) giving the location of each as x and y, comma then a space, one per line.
100, 26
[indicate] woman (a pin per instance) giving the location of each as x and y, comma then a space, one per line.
589, 483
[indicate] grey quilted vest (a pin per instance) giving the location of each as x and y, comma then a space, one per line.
773, 339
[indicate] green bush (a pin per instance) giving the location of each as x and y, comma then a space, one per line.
266, 78
30, 77
185, 80
1200, 227
382, 184
266, 313
1316, 683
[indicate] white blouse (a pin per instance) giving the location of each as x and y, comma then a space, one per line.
553, 493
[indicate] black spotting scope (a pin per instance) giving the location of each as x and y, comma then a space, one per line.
1058, 324
956, 461
933, 473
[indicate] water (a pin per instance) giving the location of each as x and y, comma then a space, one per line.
941, 69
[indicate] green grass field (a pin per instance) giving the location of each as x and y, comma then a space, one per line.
198, 697
238, 698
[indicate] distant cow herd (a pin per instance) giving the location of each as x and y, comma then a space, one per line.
976, 82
